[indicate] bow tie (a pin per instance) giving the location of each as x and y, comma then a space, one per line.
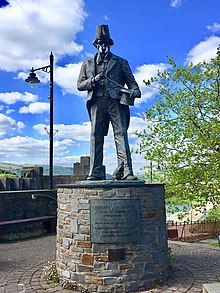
101, 58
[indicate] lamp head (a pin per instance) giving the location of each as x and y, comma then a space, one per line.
32, 78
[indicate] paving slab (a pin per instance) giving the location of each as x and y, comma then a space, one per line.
211, 288
23, 262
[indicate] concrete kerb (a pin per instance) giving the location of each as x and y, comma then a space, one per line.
211, 288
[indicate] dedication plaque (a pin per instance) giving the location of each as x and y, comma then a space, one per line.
115, 220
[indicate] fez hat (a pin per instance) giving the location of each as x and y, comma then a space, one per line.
102, 33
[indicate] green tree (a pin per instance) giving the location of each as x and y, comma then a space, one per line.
4, 173
183, 133
214, 214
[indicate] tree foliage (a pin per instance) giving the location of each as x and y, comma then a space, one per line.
214, 214
4, 173
183, 136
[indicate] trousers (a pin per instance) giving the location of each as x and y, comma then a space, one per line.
102, 112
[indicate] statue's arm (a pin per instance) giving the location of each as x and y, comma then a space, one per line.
85, 81
129, 78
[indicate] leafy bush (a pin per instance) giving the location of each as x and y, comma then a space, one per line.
214, 214
4, 173
182, 131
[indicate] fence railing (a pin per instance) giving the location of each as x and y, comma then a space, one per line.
193, 230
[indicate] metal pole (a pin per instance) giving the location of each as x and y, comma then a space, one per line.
51, 124
151, 171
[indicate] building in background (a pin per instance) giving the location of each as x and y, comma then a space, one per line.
32, 177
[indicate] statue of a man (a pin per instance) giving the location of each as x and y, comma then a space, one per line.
104, 77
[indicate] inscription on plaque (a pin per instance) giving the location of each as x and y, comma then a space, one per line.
115, 220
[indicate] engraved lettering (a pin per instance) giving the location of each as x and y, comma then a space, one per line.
115, 220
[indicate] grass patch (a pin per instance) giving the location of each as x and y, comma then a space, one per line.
9, 237
215, 244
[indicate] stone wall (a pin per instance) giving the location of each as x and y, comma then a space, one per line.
20, 183
32, 177
19, 204
113, 266
61, 179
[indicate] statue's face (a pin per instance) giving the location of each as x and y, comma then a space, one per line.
103, 47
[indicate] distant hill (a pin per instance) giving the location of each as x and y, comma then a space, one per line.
11, 168
58, 170
15, 168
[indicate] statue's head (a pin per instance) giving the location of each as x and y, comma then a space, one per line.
103, 42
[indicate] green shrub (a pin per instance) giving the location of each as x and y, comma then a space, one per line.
214, 214
7, 174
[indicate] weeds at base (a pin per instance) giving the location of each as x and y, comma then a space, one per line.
51, 275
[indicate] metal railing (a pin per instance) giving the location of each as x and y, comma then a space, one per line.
192, 230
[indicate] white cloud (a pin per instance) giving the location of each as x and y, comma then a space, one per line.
145, 72
69, 142
110, 157
77, 135
38, 28
214, 28
75, 132
20, 125
28, 149
8, 125
81, 132
205, 50
35, 108
67, 160
110, 160
9, 111
136, 124
175, 3
66, 78
14, 97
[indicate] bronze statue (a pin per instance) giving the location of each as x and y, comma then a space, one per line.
104, 77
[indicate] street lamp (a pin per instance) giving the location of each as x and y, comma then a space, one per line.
34, 196
32, 79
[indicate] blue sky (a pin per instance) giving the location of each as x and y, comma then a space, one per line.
144, 32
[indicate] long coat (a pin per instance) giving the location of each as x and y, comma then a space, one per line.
118, 70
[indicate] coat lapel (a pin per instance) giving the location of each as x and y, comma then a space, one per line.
111, 63
92, 65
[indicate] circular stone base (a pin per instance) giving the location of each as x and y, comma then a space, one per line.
111, 235
104, 183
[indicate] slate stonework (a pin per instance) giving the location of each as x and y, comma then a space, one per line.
145, 264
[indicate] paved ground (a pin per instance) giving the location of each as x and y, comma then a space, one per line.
22, 262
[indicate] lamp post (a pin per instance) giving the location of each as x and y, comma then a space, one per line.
32, 79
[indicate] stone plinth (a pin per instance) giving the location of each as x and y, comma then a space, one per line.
111, 235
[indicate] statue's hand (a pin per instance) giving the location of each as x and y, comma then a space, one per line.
99, 77
136, 94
